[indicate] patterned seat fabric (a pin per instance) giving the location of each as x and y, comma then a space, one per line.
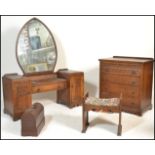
103, 102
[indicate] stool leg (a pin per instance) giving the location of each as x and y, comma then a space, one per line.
119, 125
84, 120
87, 118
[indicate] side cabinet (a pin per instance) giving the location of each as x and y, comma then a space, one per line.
17, 95
72, 95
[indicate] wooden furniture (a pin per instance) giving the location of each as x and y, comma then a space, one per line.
36, 54
101, 105
17, 94
18, 90
33, 120
73, 95
130, 75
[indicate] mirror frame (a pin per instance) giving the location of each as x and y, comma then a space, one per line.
41, 72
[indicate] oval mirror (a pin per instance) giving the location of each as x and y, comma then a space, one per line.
35, 48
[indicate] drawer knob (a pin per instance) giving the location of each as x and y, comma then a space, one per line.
133, 93
106, 69
133, 82
133, 72
38, 90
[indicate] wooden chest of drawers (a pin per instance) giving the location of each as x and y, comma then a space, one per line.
130, 76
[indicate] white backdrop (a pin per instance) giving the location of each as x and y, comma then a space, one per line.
82, 7
82, 40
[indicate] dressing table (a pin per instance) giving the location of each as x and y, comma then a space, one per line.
36, 54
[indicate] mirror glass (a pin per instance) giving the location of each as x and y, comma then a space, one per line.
36, 48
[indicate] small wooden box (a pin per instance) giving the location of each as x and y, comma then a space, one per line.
33, 120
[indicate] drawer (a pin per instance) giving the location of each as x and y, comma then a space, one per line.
126, 99
130, 102
119, 64
126, 90
118, 79
61, 84
134, 109
131, 70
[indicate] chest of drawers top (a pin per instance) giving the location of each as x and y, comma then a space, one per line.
124, 65
129, 60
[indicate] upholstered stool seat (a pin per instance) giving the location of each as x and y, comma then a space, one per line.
101, 104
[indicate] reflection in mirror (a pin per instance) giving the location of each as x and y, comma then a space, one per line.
36, 48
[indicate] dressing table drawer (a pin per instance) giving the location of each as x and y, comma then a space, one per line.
48, 86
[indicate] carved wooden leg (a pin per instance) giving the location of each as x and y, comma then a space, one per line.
119, 125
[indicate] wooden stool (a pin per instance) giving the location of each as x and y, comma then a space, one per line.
33, 120
104, 105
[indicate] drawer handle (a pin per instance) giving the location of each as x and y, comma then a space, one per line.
38, 90
133, 72
133, 93
106, 69
133, 82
